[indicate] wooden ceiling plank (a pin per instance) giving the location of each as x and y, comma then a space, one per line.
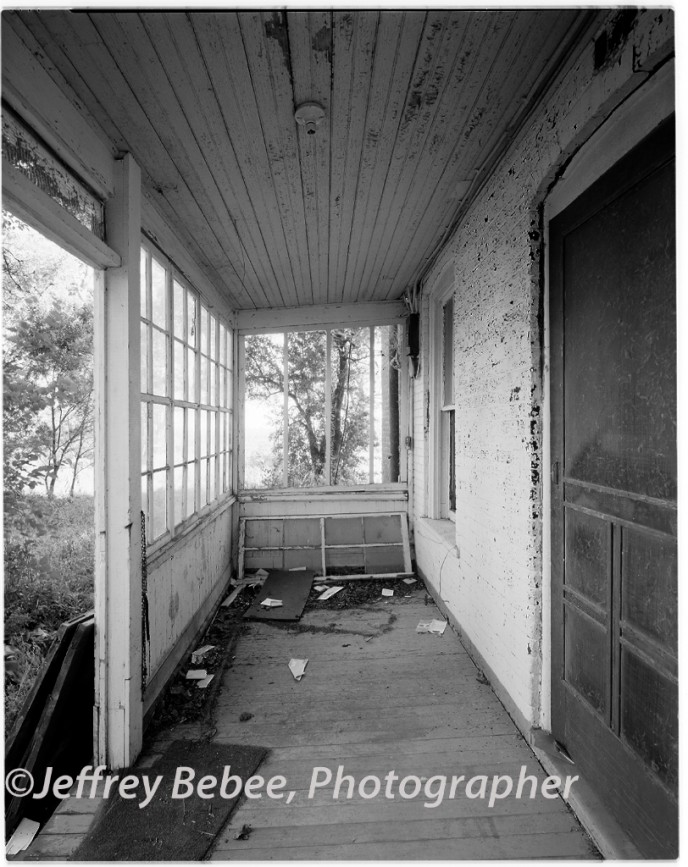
354, 38
397, 44
236, 92
311, 82
435, 137
102, 88
265, 41
178, 49
500, 90
321, 36
442, 44
127, 38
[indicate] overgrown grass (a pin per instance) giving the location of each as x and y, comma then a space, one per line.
48, 579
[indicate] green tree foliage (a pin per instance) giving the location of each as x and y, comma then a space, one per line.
306, 353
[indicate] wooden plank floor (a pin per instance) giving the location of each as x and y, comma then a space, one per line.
379, 697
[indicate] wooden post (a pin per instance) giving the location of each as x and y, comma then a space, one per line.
118, 604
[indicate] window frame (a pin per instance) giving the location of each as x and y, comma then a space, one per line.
327, 329
211, 400
442, 463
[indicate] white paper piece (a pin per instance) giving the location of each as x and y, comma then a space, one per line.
22, 837
329, 593
409, 580
271, 603
436, 627
261, 573
320, 587
206, 680
197, 655
387, 591
196, 674
298, 569
298, 667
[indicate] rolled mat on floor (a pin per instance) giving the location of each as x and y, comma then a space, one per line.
170, 828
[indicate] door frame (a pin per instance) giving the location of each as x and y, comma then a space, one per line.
626, 127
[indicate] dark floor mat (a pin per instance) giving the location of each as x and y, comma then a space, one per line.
170, 829
292, 588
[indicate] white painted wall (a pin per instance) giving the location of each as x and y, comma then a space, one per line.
491, 582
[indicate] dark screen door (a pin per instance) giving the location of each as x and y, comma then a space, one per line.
614, 562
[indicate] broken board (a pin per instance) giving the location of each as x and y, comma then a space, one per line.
292, 588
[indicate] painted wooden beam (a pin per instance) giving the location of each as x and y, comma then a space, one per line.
118, 527
36, 208
320, 316
39, 97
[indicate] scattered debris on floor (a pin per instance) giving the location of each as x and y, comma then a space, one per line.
197, 655
245, 833
245, 716
232, 596
387, 591
292, 589
320, 587
196, 674
482, 679
298, 569
409, 580
298, 667
272, 603
22, 837
436, 627
329, 593
202, 684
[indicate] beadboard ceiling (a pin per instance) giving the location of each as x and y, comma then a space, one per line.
417, 106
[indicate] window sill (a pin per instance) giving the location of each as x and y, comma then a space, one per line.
271, 494
163, 548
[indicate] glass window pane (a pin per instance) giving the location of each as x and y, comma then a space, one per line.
223, 345
212, 337
191, 434
204, 483
159, 294
159, 503
351, 398
213, 380
178, 495
159, 435
190, 488
144, 283
211, 480
191, 375
204, 434
179, 353
212, 420
144, 437
448, 352
191, 316
178, 435
159, 362
204, 380
179, 295
263, 411
204, 330
144, 357
145, 507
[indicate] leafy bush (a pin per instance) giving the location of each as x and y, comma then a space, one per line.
49, 551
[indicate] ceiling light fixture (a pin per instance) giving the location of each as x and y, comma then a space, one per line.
310, 115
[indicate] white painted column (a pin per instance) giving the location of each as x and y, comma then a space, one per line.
119, 715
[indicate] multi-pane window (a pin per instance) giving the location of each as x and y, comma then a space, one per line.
321, 407
447, 411
186, 400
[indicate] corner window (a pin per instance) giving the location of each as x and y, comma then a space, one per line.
321, 407
186, 400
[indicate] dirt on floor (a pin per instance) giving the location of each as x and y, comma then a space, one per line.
185, 702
